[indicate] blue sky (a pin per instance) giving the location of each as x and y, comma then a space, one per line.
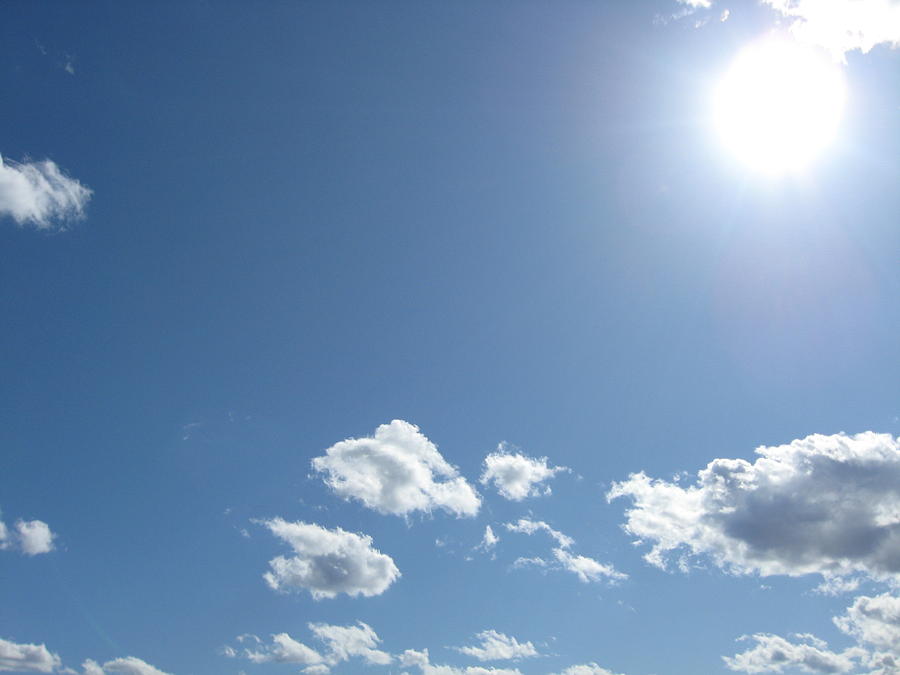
339, 332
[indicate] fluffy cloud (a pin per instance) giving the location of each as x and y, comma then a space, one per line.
517, 476
827, 505
587, 569
775, 654
128, 665
874, 621
31, 537
341, 644
841, 26
345, 642
34, 536
284, 649
328, 562
40, 194
420, 659
27, 658
397, 471
498, 647
586, 669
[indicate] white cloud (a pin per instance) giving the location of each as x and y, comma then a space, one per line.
131, 665
341, 644
345, 642
328, 562
697, 4
26, 658
489, 540
4, 536
34, 537
498, 647
517, 476
587, 569
397, 471
841, 26
284, 649
91, 667
775, 654
586, 669
827, 505
528, 526
40, 194
420, 659
874, 620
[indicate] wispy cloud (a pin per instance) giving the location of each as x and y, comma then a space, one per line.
40, 194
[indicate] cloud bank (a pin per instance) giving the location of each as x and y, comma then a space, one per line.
517, 476
40, 194
31, 537
827, 505
397, 471
328, 562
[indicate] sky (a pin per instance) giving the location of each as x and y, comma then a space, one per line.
450, 338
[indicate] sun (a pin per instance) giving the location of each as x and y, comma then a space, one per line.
779, 105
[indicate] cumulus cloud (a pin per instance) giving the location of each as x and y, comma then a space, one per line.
874, 621
34, 537
328, 562
345, 642
284, 649
775, 654
586, 669
397, 471
498, 647
841, 26
420, 659
27, 658
341, 643
827, 505
40, 194
31, 537
587, 569
128, 665
517, 476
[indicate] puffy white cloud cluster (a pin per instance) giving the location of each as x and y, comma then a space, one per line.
587, 569
128, 665
328, 562
421, 660
775, 654
397, 471
586, 669
341, 643
827, 505
31, 537
27, 658
874, 622
517, 476
40, 194
841, 26
498, 647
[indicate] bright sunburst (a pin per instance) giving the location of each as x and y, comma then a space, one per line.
779, 105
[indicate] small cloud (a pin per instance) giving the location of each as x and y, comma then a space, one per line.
498, 647
517, 476
328, 562
35, 537
40, 194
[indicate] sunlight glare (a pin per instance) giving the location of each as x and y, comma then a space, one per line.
779, 105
